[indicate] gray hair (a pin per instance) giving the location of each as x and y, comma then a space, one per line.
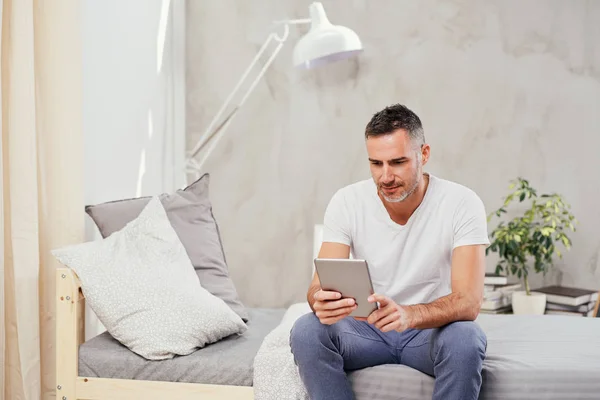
395, 117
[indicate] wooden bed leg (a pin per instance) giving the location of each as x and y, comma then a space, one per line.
69, 332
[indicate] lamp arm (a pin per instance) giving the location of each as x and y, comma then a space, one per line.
294, 21
217, 134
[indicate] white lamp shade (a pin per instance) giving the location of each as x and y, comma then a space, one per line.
325, 42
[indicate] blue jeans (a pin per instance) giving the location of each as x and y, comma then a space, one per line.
453, 354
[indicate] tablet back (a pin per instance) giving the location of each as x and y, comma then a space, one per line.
349, 277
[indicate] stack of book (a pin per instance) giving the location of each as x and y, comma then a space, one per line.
564, 300
497, 294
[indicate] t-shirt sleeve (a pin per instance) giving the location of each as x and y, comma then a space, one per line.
336, 222
470, 222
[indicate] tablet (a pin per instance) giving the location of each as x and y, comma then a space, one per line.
351, 278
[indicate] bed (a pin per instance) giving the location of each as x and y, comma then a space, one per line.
545, 357
542, 357
528, 357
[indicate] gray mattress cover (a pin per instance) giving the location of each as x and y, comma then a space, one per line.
528, 357
227, 362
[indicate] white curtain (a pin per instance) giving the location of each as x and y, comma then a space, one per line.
42, 185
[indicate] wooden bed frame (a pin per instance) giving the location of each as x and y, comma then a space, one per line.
70, 333
596, 313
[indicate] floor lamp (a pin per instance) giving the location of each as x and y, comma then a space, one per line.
323, 43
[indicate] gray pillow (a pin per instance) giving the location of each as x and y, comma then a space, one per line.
190, 213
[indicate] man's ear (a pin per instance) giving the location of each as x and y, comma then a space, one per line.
425, 150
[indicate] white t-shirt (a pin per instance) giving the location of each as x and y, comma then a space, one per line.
410, 263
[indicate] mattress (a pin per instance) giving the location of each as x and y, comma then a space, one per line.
226, 362
528, 357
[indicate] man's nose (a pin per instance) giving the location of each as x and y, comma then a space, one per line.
387, 174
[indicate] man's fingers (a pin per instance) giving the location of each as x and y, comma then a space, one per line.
323, 295
381, 299
392, 326
390, 321
375, 316
332, 320
379, 314
333, 305
335, 313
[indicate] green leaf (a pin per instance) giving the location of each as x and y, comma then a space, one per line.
499, 269
530, 238
547, 231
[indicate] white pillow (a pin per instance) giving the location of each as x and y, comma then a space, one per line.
141, 284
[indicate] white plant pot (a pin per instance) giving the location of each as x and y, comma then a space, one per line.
534, 304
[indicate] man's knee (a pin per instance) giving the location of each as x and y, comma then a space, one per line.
306, 332
464, 341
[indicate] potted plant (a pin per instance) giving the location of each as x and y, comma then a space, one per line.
529, 241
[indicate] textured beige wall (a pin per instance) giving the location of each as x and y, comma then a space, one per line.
504, 88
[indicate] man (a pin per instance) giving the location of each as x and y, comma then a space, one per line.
424, 239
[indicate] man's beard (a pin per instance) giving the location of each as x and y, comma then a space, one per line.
397, 198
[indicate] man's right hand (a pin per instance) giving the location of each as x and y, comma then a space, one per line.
330, 308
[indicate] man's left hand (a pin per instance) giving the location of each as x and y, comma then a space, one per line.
390, 316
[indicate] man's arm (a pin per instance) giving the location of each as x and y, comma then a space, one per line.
328, 250
463, 304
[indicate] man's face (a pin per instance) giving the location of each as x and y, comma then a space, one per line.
396, 165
